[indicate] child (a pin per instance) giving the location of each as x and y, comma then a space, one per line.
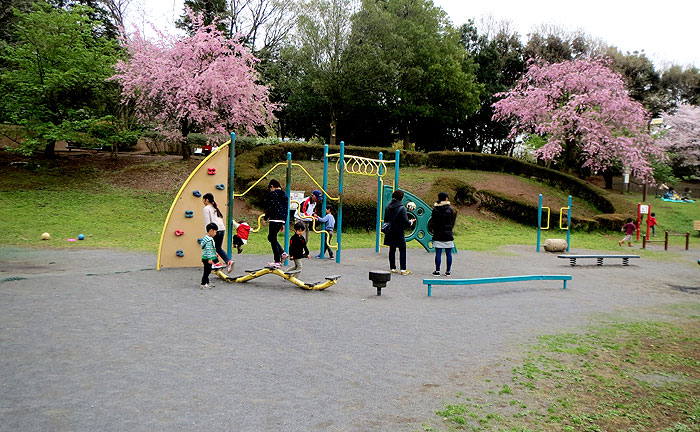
208, 254
297, 246
242, 233
629, 228
652, 223
329, 220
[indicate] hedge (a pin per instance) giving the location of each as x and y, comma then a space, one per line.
359, 212
505, 164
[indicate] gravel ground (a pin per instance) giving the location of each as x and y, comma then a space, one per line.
96, 340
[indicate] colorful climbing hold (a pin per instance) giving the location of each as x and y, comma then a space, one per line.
221, 186
211, 171
180, 253
179, 232
197, 193
189, 213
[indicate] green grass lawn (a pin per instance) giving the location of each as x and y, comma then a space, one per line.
623, 375
66, 205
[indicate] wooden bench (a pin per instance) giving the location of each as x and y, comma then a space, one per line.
488, 280
599, 258
696, 226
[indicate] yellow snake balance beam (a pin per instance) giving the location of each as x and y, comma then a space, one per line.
289, 276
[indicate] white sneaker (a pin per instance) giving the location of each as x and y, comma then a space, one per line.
394, 271
285, 255
203, 287
217, 266
210, 285
406, 272
274, 264
229, 267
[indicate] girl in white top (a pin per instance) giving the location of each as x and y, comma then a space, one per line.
212, 214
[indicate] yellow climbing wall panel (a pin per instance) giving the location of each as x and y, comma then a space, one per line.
212, 172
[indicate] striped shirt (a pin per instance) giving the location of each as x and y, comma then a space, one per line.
208, 248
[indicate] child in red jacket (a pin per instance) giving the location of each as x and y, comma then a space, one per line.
242, 233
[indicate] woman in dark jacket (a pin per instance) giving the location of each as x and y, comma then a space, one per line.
396, 215
441, 223
276, 216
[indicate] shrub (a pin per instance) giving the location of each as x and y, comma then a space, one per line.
460, 193
498, 163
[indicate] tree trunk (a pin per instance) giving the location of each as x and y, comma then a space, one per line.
404, 136
50, 149
608, 177
185, 128
334, 130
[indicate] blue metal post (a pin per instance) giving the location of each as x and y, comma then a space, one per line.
539, 222
289, 199
323, 208
397, 156
568, 231
379, 204
339, 223
229, 215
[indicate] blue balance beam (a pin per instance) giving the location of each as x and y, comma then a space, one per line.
500, 279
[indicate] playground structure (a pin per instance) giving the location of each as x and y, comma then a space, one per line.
490, 280
286, 275
183, 226
643, 209
561, 220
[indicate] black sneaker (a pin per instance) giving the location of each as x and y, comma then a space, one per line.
447, 273
436, 273
240, 249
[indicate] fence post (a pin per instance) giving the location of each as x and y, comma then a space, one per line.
687, 240
666, 240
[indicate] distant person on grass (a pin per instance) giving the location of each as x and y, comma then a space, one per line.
212, 214
629, 228
395, 214
441, 224
208, 254
276, 212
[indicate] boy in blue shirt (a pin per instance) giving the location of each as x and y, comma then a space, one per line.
329, 220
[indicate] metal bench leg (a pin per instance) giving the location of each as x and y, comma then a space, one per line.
600, 261
572, 261
625, 261
429, 286
564, 283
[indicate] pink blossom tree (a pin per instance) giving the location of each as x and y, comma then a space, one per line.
683, 138
203, 82
584, 113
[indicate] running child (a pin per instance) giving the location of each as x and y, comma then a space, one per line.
652, 223
629, 228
